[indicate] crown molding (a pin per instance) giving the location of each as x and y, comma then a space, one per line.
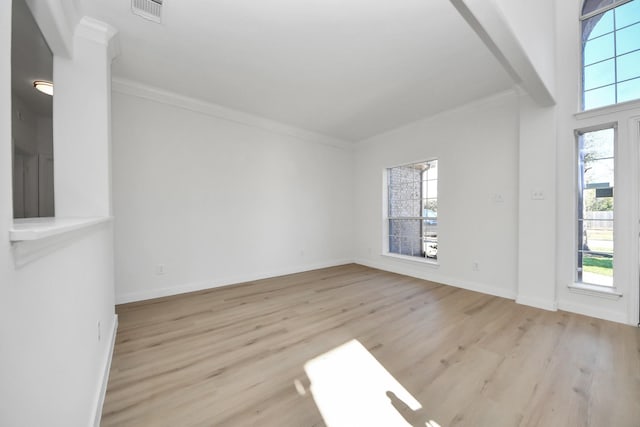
133, 88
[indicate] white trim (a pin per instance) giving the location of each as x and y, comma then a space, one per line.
386, 218
580, 287
603, 9
102, 390
94, 30
29, 229
537, 303
156, 94
608, 109
594, 291
591, 311
218, 283
421, 260
634, 275
444, 280
99, 32
572, 307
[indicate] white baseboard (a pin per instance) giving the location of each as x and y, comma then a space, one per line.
210, 284
429, 274
591, 311
537, 303
102, 391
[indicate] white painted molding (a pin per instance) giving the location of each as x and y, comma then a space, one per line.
102, 390
218, 283
608, 110
537, 303
593, 311
99, 32
41, 228
428, 274
29, 250
140, 90
594, 291
572, 307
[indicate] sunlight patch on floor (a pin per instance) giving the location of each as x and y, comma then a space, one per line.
351, 388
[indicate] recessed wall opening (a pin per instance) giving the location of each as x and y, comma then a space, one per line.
32, 117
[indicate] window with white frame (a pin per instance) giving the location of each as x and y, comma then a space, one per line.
412, 217
595, 206
610, 52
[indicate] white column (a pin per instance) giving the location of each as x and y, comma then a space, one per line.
82, 123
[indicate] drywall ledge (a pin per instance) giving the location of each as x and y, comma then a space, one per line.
29, 229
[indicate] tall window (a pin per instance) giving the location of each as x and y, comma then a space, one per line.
413, 209
610, 52
595, 207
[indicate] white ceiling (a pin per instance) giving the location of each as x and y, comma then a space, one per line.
349, 69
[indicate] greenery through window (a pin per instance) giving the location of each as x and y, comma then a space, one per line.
610, 52
413, 209
596, 165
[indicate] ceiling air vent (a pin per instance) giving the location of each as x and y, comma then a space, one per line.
148, 9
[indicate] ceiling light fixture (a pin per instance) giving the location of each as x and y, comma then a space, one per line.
44, 87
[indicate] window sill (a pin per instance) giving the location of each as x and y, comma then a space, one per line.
595, 291
29, 229
427, 261
609, 109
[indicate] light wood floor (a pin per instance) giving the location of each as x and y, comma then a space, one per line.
230, 356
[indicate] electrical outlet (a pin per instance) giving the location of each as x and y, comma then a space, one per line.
160, 269
475, 266
99, 331
537, 195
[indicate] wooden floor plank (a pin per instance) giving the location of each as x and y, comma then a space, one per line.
236, 356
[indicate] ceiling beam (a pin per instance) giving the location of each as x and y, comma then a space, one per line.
57, 20
488, 21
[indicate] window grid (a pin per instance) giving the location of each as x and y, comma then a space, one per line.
622, 88
412, 209
595, 207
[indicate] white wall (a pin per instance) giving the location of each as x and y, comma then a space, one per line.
216, 201
53, 292
477, 151
537, 217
